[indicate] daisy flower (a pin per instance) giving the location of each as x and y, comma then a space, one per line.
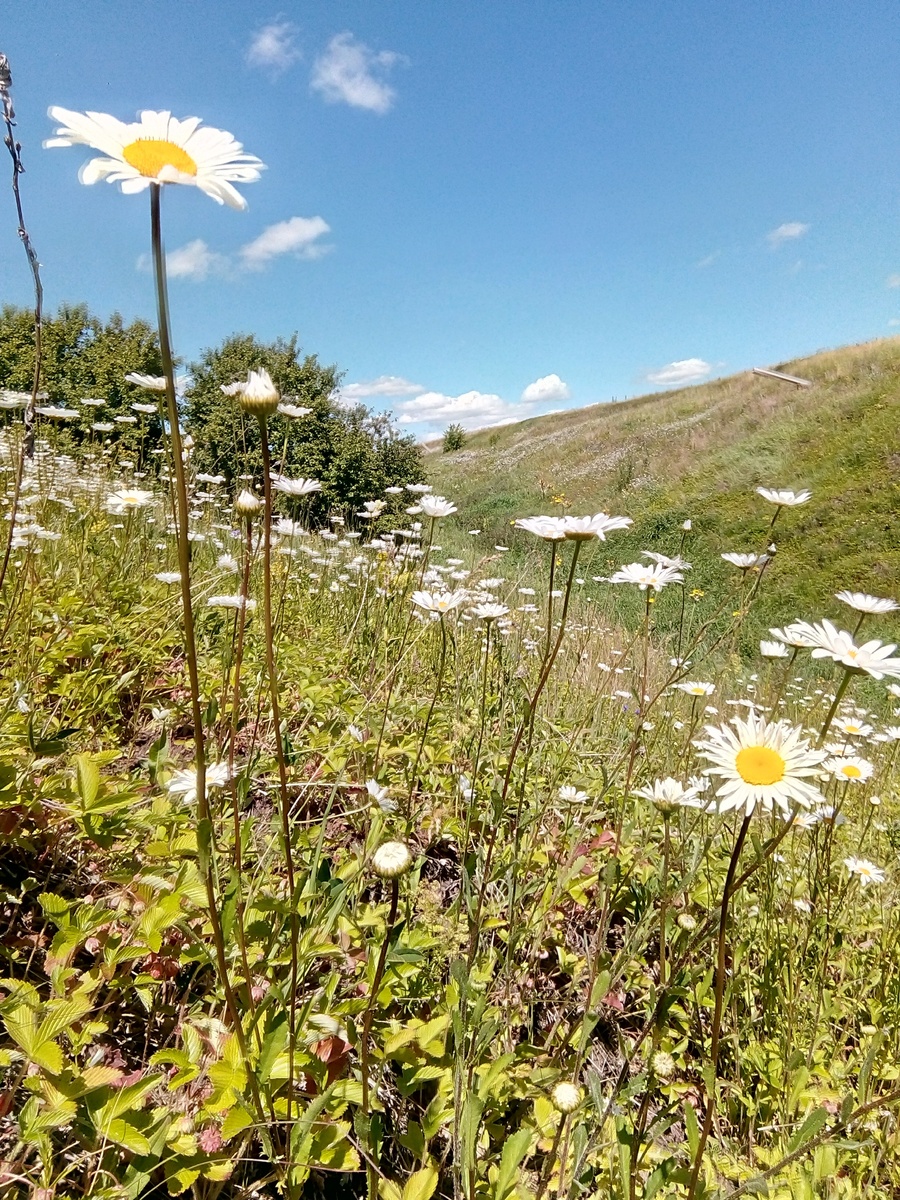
784, 497
572, 794
128, 498
579, 529
873, 657
645, 576
550, 529
745, 561
865, 603
436, 506
489, 612
696, 688
865, 871
668, 794
850, 767
295, 487
773, 649
853, 728
184, 783
762, 763
440, 602
157, 149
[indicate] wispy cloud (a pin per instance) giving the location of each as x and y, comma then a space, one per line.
788, 232
892, 281
683, 372
298, 236
349, 72
194, 261
384, 385
708, 261
549, 389
274, 47
893, 322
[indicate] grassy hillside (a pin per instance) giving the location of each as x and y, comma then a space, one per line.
699, 453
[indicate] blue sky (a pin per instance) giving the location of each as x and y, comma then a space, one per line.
485, 211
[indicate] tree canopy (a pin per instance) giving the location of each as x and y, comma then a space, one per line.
85, 358
353, 452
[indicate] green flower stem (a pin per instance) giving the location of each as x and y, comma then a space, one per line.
434, 699
284, 804
232, 737
839, 695
717, 1012
204, 820
366, 1035
525, 725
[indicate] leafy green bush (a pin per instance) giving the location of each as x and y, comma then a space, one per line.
353, 452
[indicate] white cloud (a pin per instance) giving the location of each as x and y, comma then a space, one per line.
298, 236
788, 232
384, 385
274, 47
472, 410
893, 322
708, 261
194, 261
684, 371
892, 281
546, 390
349, 72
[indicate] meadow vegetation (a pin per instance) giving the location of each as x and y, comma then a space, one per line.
347, 852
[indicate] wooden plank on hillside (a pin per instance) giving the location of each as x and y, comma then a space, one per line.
795, 379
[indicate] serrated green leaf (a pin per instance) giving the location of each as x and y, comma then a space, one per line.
124, 1134
813, 1124
87, 779
236, 1120
421, 1185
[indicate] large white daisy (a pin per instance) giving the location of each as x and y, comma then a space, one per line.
762, 763
158, 148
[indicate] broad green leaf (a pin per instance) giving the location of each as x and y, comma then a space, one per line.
87, 779
236, 1120
124, 1134
811, 1126
421, 1185
514, 1150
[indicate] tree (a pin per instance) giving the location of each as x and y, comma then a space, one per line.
354, 453
454, 438
85, 358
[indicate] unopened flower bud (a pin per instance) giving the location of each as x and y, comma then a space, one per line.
259, 395
247, 505
663, 1064
566, 1097
391, 859
687, 921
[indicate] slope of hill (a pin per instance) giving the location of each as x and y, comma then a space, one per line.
699, 453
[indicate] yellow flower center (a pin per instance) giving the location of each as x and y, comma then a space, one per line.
150, 155
760, 766
850, 771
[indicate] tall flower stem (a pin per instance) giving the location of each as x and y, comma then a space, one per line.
526, 724
838, 697
284, 804
429, 715
26, 450
366, 1033
717, 1011
204, 819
